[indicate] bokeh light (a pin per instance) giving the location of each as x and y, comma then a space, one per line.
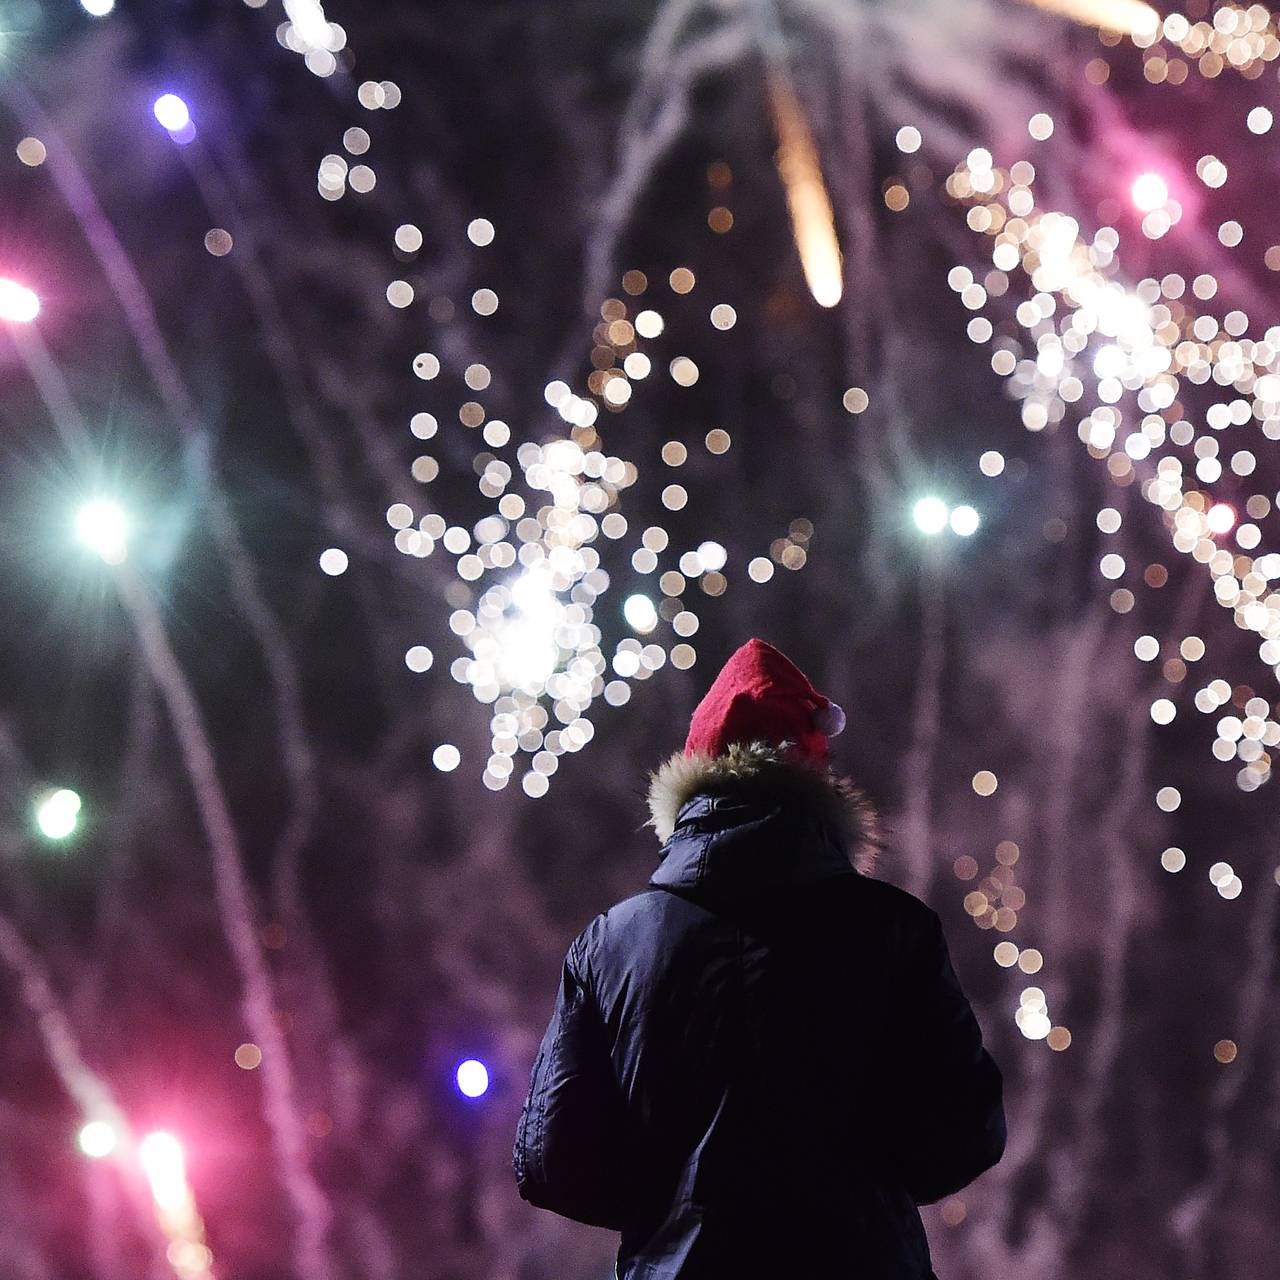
1221, 518
32, 152
930, 515
1135, 354
472, 1078
97, 1139
218, 241
18, 304
58, 814
1149, 192
248, 1057
855, 400
101, 525
640, 613
908, 139
418, 658
334, 561
172, 113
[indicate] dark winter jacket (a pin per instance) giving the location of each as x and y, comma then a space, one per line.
761, 1064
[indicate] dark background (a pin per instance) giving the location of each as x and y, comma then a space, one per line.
251, 410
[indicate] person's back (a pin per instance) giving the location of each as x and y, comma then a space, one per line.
762, 1063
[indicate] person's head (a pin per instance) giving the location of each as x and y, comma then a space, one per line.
762, 728
760, 695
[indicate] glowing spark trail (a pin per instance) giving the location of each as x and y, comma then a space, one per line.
1124, 17
105, 1128
164, 1164
233, 894
812, 219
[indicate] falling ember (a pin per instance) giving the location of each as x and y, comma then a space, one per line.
162, 1160
812, 219
1124, 17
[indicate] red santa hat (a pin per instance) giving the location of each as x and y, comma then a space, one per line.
760, 695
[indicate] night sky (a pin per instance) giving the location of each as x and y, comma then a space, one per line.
403, 419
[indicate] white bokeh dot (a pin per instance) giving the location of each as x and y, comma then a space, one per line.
333, 561
419, 658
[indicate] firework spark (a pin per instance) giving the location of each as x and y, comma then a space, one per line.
1123, 17
812, 219
1091, 339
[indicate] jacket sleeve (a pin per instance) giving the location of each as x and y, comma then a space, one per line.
571, 1151
949, 1125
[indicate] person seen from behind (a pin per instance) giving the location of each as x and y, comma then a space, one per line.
762, 1063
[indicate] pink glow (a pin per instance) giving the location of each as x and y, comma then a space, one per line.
163, 1163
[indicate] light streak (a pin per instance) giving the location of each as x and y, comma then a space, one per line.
812, 218
1124, 17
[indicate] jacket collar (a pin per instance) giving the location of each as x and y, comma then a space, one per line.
734, 843
759, 791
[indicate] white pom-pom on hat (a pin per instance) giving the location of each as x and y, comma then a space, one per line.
829, 720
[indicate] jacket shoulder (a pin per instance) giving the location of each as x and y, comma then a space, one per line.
914, 922
898, 918
629, 936
892, 899
631, 913
636, 912
651, 911
876, 896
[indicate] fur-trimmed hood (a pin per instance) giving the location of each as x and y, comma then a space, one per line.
760, 771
